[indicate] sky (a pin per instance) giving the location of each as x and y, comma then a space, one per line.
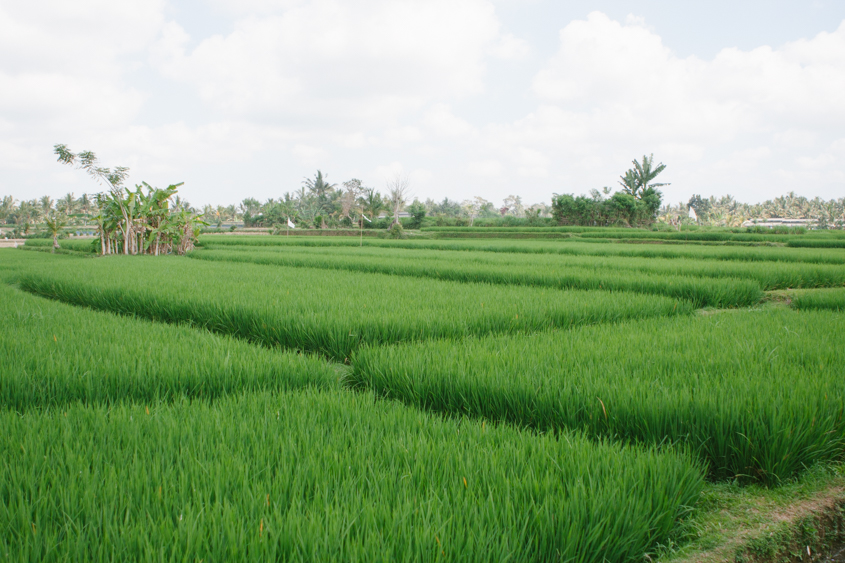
246, 98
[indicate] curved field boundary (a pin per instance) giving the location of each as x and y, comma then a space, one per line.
758, 395
328, 312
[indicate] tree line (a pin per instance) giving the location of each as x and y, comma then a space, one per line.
155, 221
726, 211
321, 204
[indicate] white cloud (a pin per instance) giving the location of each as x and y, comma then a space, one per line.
617, 91
372, 87
309, 155
511, 48
347, 61
485, 168
442, 121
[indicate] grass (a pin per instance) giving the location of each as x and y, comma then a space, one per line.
543, 269
495, 269
78, 245
757, 395
323, 476
571, 246
560, 229
13, 262
734, 523
817, 243
332, 313
125, 439
615, 233
695, 236
831, 299
55, 354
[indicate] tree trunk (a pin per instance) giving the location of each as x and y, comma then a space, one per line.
127, 233
55, 242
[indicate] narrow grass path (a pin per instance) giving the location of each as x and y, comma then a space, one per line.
761, 524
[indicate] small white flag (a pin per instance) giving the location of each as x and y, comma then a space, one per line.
692, 214
290, 224
365, 218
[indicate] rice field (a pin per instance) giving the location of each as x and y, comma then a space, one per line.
326, 312
572, 246
757, 396
56, 354
831, 299
726, 292
323, 476
77, 245
547, 270
312, 399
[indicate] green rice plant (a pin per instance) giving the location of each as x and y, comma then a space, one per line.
757, 395
717, 293
833, 299
528, 269
508, 235
329, 312
695, 236
560, 229
570, 246
13, 261
324, 476
55, 354
87, 245
817, 243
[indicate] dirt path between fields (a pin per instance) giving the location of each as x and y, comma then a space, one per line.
812, 530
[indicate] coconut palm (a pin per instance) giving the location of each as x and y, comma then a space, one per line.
639, 178
55, 223
320, 189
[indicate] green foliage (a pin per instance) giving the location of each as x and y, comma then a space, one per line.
621, 209
417, 211
555, 272
135, 222
539, 270
831, 299
55, 354
77, 245
332, 313
758, 395
815, 243
396, 231
320, 477
597, 247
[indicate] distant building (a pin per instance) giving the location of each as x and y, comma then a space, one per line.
778, 222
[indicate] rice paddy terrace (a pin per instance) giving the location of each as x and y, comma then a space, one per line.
579, 396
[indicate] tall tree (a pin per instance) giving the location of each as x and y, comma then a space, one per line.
352, 190
55, 223
320, 189
641, 176
66, 204
398, 194
372, 202
112, 179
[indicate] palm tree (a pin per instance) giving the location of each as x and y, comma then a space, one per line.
7, 207
85, 205
66, 204
46, 203
320, 189
372, 202
55, 223
639, 178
